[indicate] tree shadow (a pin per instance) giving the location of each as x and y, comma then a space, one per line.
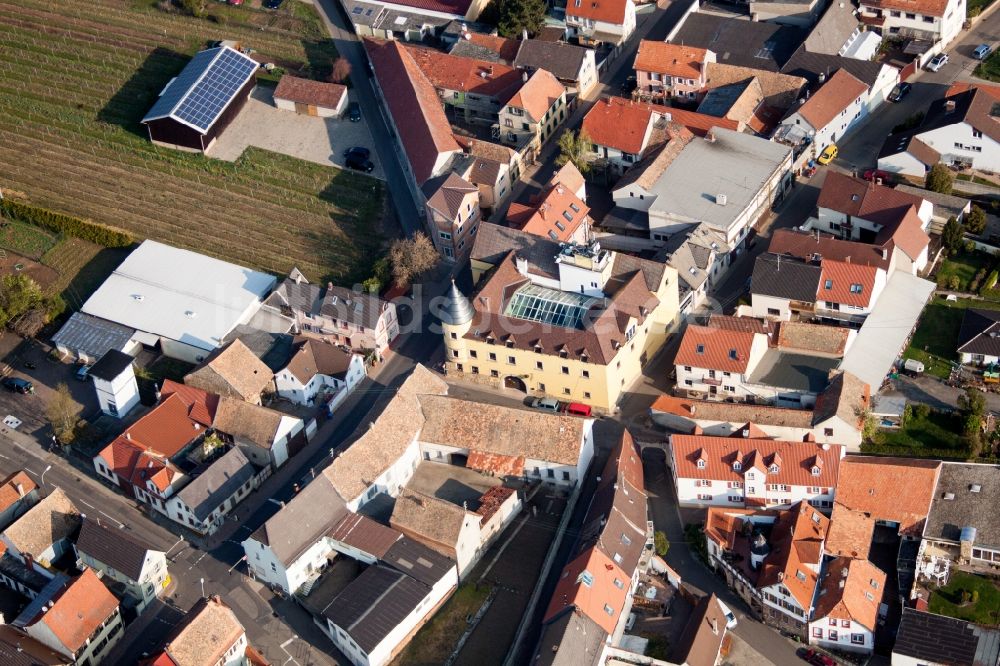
320, 54
127, 106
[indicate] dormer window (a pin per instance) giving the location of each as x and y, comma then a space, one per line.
733, 355
701, 464
773, 469
815, 471
700, 349
737, 465
510, 344
828, 284
563, 353
855, 288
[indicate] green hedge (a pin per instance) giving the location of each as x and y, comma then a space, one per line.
65, 224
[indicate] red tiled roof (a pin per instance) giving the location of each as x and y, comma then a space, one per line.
796, 543
805, 246
851, 590
558, 215
833, 97
537, 95
491, 501
452, 7
9, 494
505, 48
670, 59
588, 583
925, 7
495, 464
910, 236
715, 348
618, 123
78, 610
795, 468
847, 283
458, 73
201, 404
700, 123
414, 106
307, 91
722, 524
963, 86
893, 489
607, 11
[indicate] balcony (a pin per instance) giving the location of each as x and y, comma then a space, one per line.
841, 316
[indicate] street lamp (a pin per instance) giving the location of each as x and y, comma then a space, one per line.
42, 479
202, 588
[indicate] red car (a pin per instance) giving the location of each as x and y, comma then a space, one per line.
877, 174
817, 658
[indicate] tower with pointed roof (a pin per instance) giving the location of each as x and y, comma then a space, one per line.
456, 318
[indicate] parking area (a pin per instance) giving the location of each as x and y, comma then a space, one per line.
320, 140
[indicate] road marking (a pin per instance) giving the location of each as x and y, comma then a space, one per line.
120, 523
86, 504
4, 457
195, 563
31, 471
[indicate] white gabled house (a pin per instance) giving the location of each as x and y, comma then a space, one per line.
320, 371
829, 114
847, 606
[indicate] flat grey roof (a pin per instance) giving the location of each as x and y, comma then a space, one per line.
886, 330
734, 164
974, 490
799, 372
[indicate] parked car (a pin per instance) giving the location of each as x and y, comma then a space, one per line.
18, 385
577, 409
359, 163
548, 404
937, 62
629, 84
354, 112
982, 52
83, 373
873, 175
817, 658
828, 155
900, 91
358, 150
729, 615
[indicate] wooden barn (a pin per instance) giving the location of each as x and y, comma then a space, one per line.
312, 98
202, 100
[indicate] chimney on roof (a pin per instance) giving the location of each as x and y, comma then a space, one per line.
20, 489
524, 77
949, 105
885, 253
715, 626
128, 435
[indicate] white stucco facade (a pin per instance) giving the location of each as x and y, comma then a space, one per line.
832, 634
753, 490
118, 396
290, 388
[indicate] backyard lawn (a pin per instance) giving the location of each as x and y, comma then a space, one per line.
25, 239
964, 266
937, 434
936, 338
76, 78
948, 599
437, 639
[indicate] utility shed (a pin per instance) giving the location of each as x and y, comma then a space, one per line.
202, 100
311, 98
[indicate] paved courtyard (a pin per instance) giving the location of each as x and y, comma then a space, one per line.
320, 140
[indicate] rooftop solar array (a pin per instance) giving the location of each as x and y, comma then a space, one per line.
550, 306
200, 93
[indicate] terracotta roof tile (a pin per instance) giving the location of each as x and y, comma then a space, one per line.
491, 501
850, 532
815, 338
715, 348
869, 201
846, 397
926, 7
314, 357
588, 583
51, 520
846, 283
703, 635
893, 489
719, 453
851, 589
781, 91
447, 194
796, 548
505, 48
10, 493
414, 105
307, 91
700, 123
619, 123
606, 11
208, 631
79, 610
468, 75
201, 404
723, 524
537, 95
233, 370
558, 215
495, 464
670, 59
710, 410
838, 93
806, 246
910, 236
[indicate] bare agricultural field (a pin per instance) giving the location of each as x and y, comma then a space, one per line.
76, 76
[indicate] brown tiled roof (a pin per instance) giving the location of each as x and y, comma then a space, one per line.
53, 519
245, 421
557, 215
805, 246
719, 453
469, 75
365, 534
487, 149
715, 348
926, 7
537, 95
851, 589
618, 123
484, 171
307, 91
434, 522
10, 492
858, 198
386, 438
734, 412
814, 338
413, 104
588, 583
700, 123
909, 236
846, 397
200, 404
505, 48
893, 489
491, 501
648, 171
833, 97
850, 532
208, 631
501, 430
79, 610
313, 357
796, 542
606, 11
448, 194
838, 278
723, 524
780, 90
701, 640
744, 324
670, 59
234, 371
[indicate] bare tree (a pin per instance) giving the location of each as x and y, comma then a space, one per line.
412, 257
63, 413
340, 71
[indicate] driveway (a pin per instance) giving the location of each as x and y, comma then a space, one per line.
263, 125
